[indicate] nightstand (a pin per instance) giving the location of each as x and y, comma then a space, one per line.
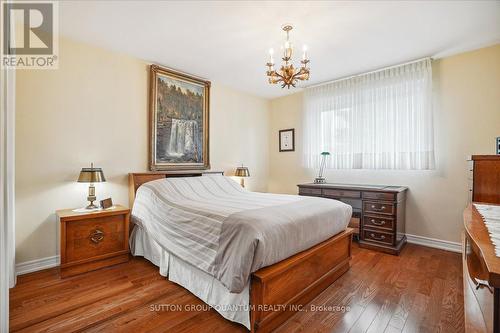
92, 240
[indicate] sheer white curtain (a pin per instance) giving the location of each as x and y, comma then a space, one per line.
379, 120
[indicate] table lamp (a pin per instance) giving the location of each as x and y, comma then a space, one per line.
320, 179
242, 172
91, 175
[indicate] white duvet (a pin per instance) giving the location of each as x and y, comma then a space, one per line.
229, 232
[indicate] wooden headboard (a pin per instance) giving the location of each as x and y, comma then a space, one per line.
136, 179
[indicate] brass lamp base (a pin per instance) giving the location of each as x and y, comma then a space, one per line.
91, 197
91, 206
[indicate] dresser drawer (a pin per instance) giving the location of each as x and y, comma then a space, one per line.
379, 196
384, 223
309, 191
94, 237
341, 193
378, 236
356, 204
379, 207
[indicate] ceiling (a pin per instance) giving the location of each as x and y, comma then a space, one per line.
227, 41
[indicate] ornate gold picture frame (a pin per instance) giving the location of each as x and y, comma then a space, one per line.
179, 121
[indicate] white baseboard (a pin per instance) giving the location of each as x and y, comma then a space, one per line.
435, 243
36, 265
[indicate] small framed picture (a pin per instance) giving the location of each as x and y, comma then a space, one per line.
106, 203
287, 139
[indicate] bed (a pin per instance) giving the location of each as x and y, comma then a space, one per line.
256, 258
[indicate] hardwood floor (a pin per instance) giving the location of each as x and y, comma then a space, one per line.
419, 291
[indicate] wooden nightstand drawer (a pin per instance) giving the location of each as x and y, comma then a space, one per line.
378, 222
378, 207
377, 236
379, 195
92, 240
341, 193
309, 191
94, 237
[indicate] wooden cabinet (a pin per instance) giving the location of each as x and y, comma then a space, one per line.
378, 212
481, 266
481, 276
486, 178
92, 240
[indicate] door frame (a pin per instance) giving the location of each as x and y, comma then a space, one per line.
7, 191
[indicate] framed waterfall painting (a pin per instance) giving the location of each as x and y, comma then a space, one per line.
179, 110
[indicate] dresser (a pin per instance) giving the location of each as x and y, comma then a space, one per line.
481, 267
481, 276
379, 209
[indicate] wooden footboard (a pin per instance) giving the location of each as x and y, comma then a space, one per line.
278, 291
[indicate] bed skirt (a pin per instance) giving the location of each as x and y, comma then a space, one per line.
232, 306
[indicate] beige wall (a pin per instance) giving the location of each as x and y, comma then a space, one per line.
94, 108
467, 120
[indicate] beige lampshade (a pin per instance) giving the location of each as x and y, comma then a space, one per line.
242, 172
91, 175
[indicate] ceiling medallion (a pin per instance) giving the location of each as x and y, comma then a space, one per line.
287, 75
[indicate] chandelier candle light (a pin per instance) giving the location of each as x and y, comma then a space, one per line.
287, 75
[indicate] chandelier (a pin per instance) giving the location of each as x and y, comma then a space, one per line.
287, 75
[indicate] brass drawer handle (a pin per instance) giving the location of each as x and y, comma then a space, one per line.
373, 221
372, 235
96, 236
378, 209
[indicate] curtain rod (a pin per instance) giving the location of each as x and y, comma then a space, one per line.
365, 73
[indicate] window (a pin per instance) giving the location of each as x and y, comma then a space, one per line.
379, 120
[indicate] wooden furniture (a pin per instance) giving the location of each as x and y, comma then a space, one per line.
295, 281
92, 240
481, 267
486, 178
378, 209
288, 284
481, 275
